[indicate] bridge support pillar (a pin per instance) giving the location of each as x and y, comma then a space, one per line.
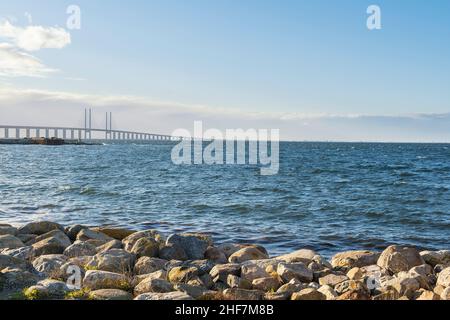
17, 133
47, 133
6, 133
38, 133
28, 133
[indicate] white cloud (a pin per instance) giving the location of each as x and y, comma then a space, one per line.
14, 63
35, 38
46, 108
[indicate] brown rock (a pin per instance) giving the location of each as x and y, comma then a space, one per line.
397, 259
352, 259
308, 294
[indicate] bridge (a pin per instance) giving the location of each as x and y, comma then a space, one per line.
86, 134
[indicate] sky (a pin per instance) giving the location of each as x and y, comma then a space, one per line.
309, 68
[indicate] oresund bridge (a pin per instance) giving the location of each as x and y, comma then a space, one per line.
86, 134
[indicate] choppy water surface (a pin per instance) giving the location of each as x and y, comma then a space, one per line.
328, 196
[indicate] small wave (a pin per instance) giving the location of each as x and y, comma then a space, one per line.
88, 191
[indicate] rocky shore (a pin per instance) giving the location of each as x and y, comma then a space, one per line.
44, 260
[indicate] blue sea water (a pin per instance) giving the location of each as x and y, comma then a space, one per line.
329, 197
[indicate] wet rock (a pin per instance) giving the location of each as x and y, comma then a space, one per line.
146, 265
49, 264
182, 274
193, 245
397, 259
8, 230
7, 261
73, 231
215, 255
328, 292
115, 260
80, 249
24, 253
111, 294
308, 294
221, 272
444, 278
266, 284
131, 240
151, 284
145, 247
116, 233
39, 228
95, 280
289, 271
54, 244
88, 234
181, 296
113, 244
10, 242
172, 252
242, 294
352, 259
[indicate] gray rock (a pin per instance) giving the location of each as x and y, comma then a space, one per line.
88, 234
242, 294
116, 260
266, 284
7, 261
332, 280
49, 264
80, 249
193, 246
15, 280
172, 252
111, 294
182, 274
10, 242
145, 247
95, 280
113, 244
304, 256
308, 294
8, 230
289, 271
40, 227
146, 265
131, 240
216, 255
55, 244
221, 272
247, 254
434, 258
155, 285
24, 253
197, 292
292, 286
165, 296
73, 231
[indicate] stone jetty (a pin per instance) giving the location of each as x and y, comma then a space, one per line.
46, 261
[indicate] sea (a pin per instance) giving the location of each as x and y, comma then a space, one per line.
330, 197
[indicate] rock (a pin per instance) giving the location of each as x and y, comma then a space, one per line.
397, 259
116, 233
247, 254
55, 244
111, 294
146, 265
131, 240
151, 284
28, 239
145, 247
73, 231
229, 248
161, 274
80, 249
15, 280
237, 282
88, 234
355, 274
406, 286
444, 278
193, 245
95, 280
24, 253
115, 260
266, 284
10, 242
242, 294
216, 255
293, 286
182, 274
274, 296
354, 295
352, 259
428, 295
308, 294
8, 230
196, 292
255, 269
423, 270
80, 261
7, 261
165, 296
434, 258
172, 252
350, 285
96, 243
54, 288
332, 280
304, 256
289, 271
49, 264
328, 292
445, 295
39, 228
221, 272
387, 295
113, 244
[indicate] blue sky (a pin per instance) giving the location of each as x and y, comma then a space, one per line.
310, 58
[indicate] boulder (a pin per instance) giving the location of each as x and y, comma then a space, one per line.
332, 280
116, 233
216, 255
79, 249
266, 284
304, 256
182, 274
28, 239
354, 295
54, 244
308, 294
352, 259
172, 252
355, 273
292, 286
95, 280
397, 259
40, 227
73, 231
221, 272
328, 292
7, 230
145, 247
110, 294
88, 234
255, 269
428, 295
445, 294
113, 244
15, 280
161, 274
193, 245
229, 248
242, 294
350, 285
289, 271
130, 240
146, 265
151, 284
115, 260
49, 264
10, 242
24, 253
54, 288
196, 292
246, 254
7, 261
444, 278
237, 282
434, 258
164, 296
